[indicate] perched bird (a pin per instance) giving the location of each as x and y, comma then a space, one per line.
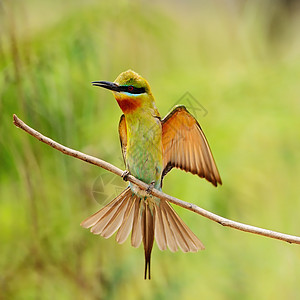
151, 147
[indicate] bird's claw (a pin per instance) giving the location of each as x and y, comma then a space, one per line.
150, 187
125, 175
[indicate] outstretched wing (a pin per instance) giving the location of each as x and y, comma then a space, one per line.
185, 146
123, 136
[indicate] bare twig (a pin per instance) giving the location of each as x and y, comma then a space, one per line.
109, 167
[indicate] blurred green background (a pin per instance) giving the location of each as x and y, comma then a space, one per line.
239, 59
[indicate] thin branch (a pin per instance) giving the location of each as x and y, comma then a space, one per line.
109, 167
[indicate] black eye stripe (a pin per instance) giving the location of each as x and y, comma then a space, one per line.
131, 89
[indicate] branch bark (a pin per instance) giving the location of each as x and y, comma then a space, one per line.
111, 168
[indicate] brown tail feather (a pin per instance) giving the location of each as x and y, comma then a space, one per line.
160, 232
172, 231
148, 236
108, 219
170, 238
146, 219
126, 226
136, 235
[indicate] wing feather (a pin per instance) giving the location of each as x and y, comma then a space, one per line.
123, 136
185, 146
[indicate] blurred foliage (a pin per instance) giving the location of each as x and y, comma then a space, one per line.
239, 59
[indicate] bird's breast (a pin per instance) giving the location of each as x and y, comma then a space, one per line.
144, 149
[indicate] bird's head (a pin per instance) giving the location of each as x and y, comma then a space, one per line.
131, 91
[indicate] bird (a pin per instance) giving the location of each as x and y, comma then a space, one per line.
151, 147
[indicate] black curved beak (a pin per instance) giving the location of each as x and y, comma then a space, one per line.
107, 85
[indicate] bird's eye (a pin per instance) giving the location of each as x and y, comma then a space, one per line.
130, 88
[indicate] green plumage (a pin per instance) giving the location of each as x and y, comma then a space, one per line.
144, 148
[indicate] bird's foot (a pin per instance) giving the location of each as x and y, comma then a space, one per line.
125, 175
150, 187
